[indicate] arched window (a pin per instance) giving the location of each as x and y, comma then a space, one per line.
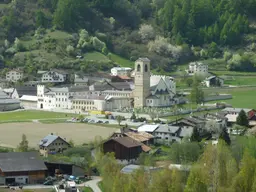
146, 68
138, 68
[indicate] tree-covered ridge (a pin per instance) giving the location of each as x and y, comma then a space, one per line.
203, 21
168, 32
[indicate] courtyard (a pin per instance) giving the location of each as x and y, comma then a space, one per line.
11, 133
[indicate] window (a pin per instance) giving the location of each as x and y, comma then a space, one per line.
146, 68
138, 68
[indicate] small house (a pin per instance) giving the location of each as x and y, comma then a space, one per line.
53, 144
14, 75
213, 81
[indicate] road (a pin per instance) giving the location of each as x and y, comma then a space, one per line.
93, 184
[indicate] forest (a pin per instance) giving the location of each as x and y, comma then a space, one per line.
168, 32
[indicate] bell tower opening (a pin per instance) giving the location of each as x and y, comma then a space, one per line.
138, 68
146, 68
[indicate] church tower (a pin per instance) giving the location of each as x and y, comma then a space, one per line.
141, 82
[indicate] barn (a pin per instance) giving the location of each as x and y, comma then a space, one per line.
21, 167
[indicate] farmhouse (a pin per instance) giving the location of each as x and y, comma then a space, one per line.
213, 81
52, 144
197, 68
21, 167
14, 75
54, 76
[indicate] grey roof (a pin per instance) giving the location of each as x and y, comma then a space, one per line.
26, 90
4, 99
59, 89
89, 97
186, 132
81, 80
130, 168
167, 129
21, 161
126, 86
236, 110
121, 85
79, 88
194, 119
49, 139
145, 59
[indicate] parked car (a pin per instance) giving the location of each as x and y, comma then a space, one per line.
14, 184
106, 122
49, 182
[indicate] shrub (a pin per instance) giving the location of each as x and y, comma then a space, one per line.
83, 37
146, 32
98, 44
70, 50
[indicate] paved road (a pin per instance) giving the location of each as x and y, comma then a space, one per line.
93, 184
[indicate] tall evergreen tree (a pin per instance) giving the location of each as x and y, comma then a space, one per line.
242, 119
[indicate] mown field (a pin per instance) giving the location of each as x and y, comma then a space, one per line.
242, 97
11, 133
30, 115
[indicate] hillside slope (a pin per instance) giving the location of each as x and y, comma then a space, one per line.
43, 34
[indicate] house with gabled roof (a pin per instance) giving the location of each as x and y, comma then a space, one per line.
52, 144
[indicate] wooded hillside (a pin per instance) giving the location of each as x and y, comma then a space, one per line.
169, 32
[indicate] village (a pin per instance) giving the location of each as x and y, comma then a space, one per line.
134, 102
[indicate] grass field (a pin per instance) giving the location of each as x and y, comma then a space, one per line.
78, 132
59, 35
242, 97
96, 56
122, 61
241, 80
32, 115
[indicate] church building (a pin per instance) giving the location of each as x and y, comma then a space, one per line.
152, 90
